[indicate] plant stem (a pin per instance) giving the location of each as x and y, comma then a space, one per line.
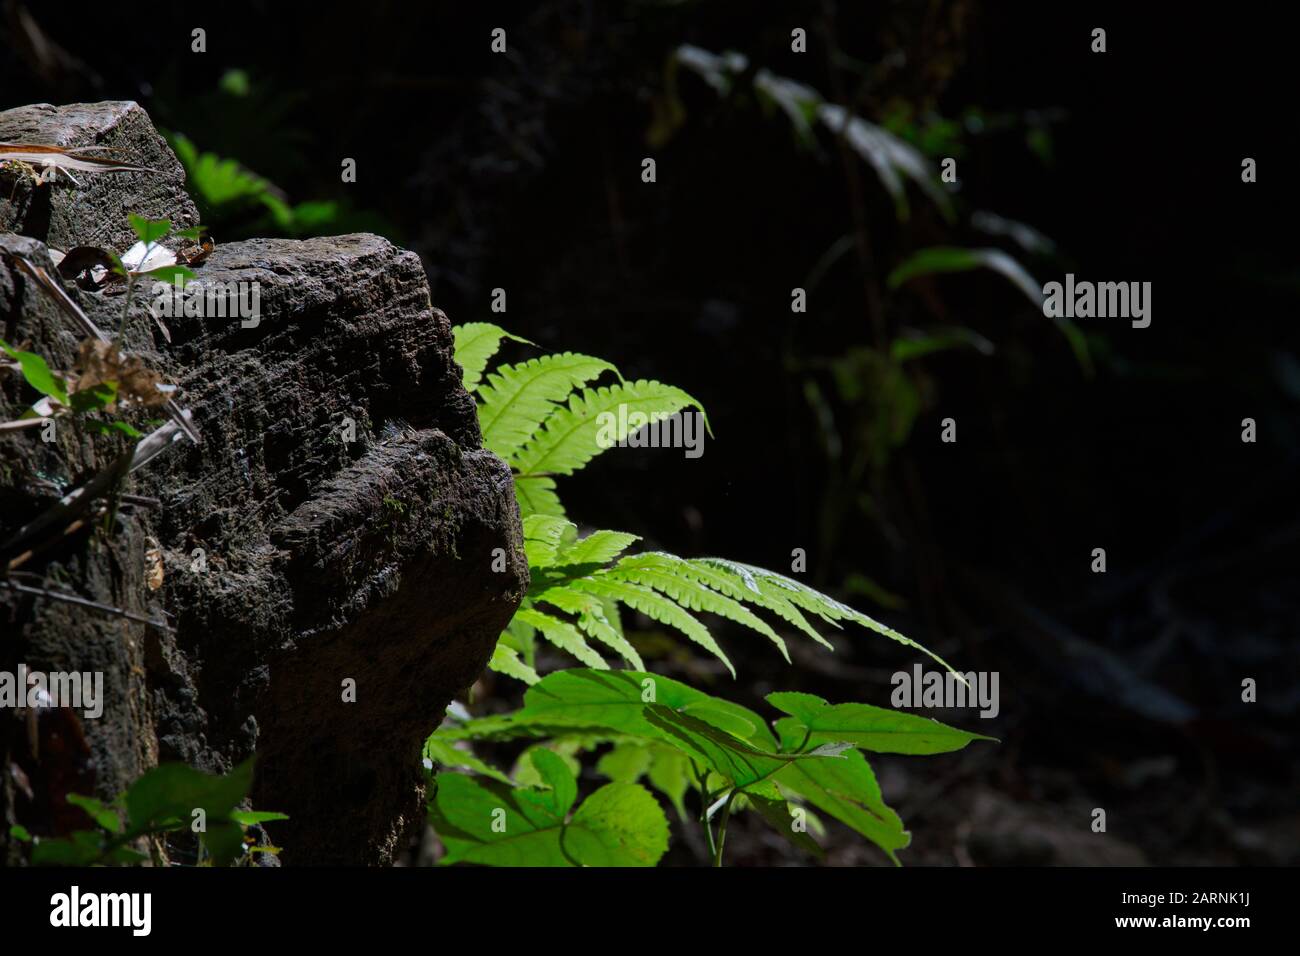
722, 829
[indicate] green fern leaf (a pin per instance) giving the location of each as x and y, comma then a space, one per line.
542, 536
599, 547
536, 496
590, 611
655, 607
664, 573
746, 588
473, 344
779, 586
505, 660
591, 423
563, 635
517, 399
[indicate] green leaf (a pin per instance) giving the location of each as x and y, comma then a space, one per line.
166, 797
876, 729
473, 344
505, 660
563, 635
38, 374
20, 833
117, 425
94, 398
599, 547
537, 496
248, 818
670, 576
149, 230
103, 815
943, 259
517, 399
168, 274
442, 752
579, 699
670, 774
486, 822
626, 763
542, 536
655, 607
620, 824
591, 423
845, 789
592, 620
557, 776
780, 816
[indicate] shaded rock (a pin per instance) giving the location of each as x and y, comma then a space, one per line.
335, 529
64, 215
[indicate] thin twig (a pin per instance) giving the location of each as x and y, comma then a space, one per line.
84, 602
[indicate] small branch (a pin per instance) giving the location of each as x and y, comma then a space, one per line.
22, 423
83, 602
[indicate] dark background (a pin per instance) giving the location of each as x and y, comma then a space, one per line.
522, 171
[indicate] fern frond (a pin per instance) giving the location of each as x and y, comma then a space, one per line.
669, 575
536, 496
829, 609
563, 635
505, 660
473, 344
599, 547
745, 588
656, 607
590, 611
542, 537
517, 399
591, 423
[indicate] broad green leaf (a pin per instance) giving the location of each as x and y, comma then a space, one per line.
171, 792
608, 701
483, 821
620, 824
670, 774
627, 762
878, 729
845, 789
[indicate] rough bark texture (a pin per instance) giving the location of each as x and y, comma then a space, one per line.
295, 559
